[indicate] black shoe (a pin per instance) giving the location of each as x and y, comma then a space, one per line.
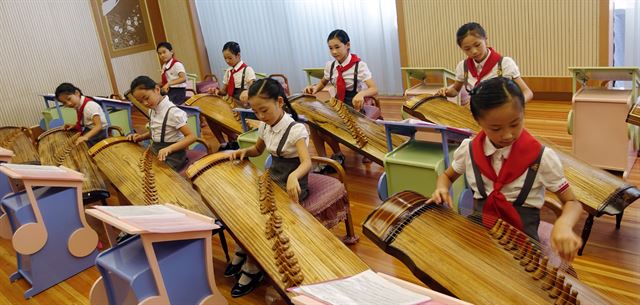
330, 170
234, 145
233, 270
229, 146
240, 290
326, 170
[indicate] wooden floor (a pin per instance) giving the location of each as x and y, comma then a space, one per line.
611, 260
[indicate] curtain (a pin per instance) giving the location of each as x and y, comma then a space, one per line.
626, 35
285, 36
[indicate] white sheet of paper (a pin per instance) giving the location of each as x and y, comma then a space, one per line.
364, 288
133, 211
181, 223
36, 168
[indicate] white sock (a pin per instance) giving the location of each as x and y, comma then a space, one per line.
248, 267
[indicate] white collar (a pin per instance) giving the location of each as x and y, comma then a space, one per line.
237, 66
164, 104
82, 97
168, 63
346, 61
282, 124
490, 149
481, 64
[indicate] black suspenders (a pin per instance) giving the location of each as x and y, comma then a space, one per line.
528, 180
466, 73
164, 124
242, 83
355, 75
284, 138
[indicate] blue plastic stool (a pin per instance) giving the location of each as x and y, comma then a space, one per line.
127, 276
53, 263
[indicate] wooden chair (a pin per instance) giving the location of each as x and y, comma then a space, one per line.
328, 199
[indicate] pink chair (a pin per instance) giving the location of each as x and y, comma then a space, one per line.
282, 79
328, 200
210, 81
194, 155
371, 108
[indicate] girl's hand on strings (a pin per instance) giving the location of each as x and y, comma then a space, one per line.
293, 188
80, 140
310, 90
358, 102
163, 153
238, 154
564, 241
134, 137
442, 196
442, 91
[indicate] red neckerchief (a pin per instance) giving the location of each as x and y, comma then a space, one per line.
231, 84
172, 61
524, 151
493, 60
341, 86
79, 113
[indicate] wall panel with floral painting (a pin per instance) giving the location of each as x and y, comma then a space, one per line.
126, 26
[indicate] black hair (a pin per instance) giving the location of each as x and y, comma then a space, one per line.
232, 47
164, 44
142, 82
493, 93
66, 88
271, 89
340, 35
471, 28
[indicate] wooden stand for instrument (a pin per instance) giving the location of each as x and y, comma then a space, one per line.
453, 255
600, 133
598, 191
48, 225
161, 268
232, 190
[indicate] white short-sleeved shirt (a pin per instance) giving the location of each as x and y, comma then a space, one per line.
363, 74
249, 75
174, 73
177, 118
550, 174
509, 70
271, 135
90, 110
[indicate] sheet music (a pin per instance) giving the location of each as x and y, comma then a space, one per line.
147, 211
176, 224
156, 218
34, 168
367, 288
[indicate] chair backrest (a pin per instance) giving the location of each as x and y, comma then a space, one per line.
210, 81
117, 112
193, 121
